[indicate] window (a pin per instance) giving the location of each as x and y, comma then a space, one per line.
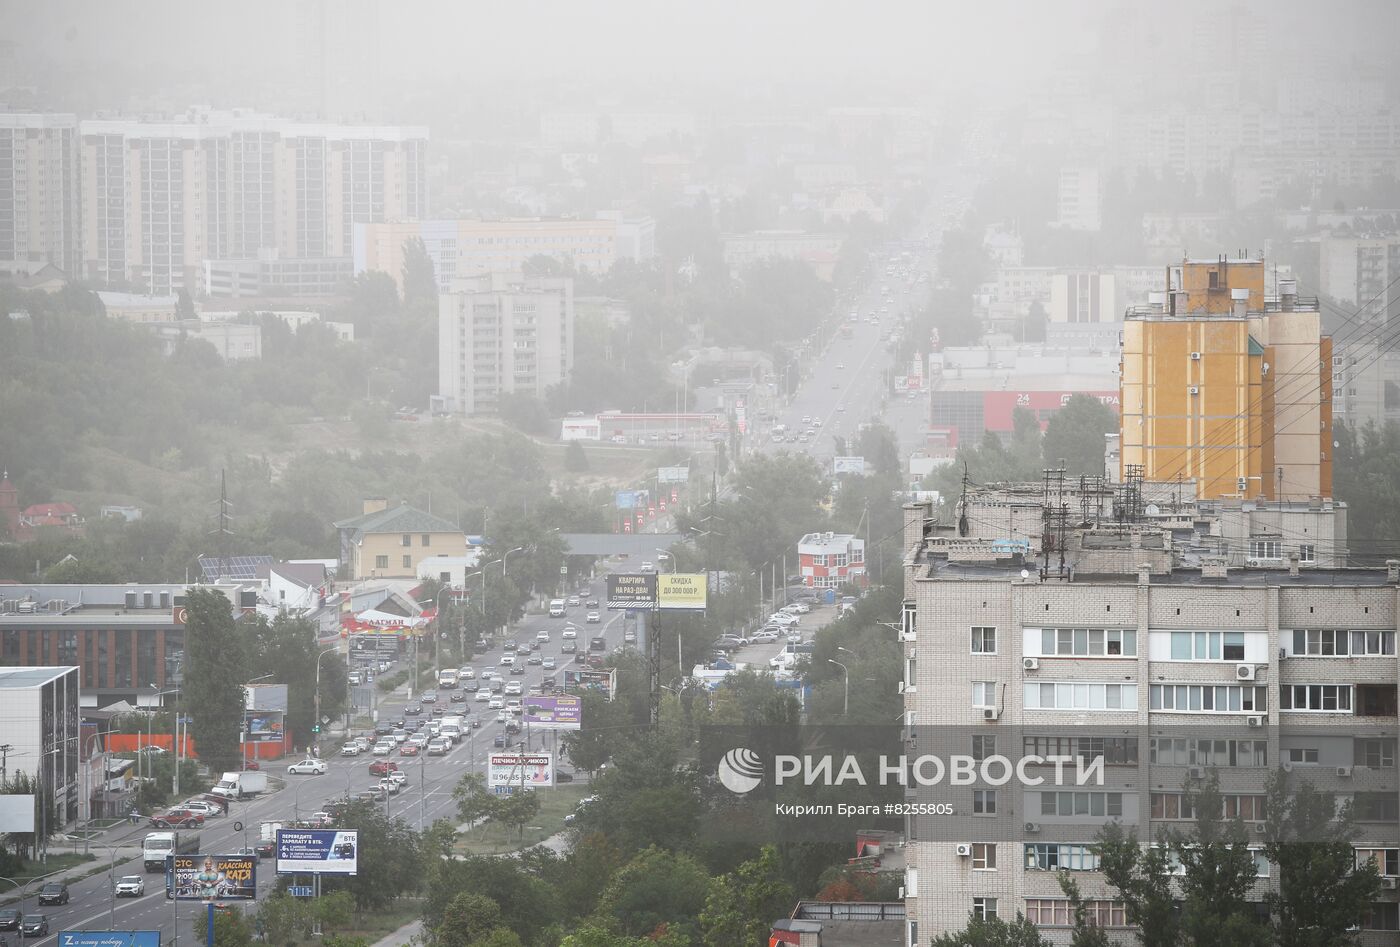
1088, 642
1176, 806
984, 693
1376, 807
1207, 646
408, 562
1306, 756
983, 747
406, 540
381, 562
1075, 695
1372, 643
1073, 803
1307, 552
983, 908
984, 802
1387, 860
1382, 916
1375, 700
1261, 863
1112, 750
426, 539
1049, 856
1208, 698
984, 856
1264, 549
911, 667
1056, 912
984, 640
1335, 698
1374, 752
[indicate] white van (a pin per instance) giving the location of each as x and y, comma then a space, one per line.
556, 608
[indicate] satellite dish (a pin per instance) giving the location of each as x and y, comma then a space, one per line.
1152, 509
1025, 574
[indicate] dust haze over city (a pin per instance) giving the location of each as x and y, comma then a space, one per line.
619, 474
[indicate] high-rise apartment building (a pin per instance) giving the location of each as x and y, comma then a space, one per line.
501, 333
1120, 648
164, 199
1363, 272
1228, 387
39, 208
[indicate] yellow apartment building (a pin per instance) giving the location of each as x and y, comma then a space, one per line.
388, 542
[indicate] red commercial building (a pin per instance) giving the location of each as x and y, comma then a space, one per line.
827, 560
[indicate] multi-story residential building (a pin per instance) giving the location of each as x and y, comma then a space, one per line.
500, 334
164, 198
1363, 273
387, 542
1110, 649
1083, 297
466, 248
818, 250
1079, 199
828, 560
40, 212
1227, 386
140, 307
123, 639
1365, 383
39, 705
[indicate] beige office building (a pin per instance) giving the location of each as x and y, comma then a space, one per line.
39, 208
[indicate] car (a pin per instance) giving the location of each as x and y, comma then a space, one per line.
265, 850
840, 409
548, 664
399, 735
206, 809
548, 683
514, 707
129, 886
534, 660
320, 820
470, 687
364, 743
562, 777
55, 892
383, 748
513, 688
483, 694
457, 697
591, 603
764, 637
466, 673
398, 777
569, 634
593, 618
835, 385
307, 767
568, 647
381, 767
10, 919
429, 697
799, 608
351, 749
512, 726
526, 647
806, 419
436, 747
177, 819
408, 749
413, 710
816, 422
542, 635
501, 717
383, 728
517, 669
496, 704
507, 660
377, 794
572, 601
499, 740
34, 925
840, 366
438, 712
418, 739
390, 786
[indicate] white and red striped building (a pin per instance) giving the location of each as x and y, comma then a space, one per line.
827, 560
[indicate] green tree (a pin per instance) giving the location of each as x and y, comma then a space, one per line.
215, 670
655, 890
1086, 932
878, 445
994, 932
516, 810
741, 905
474, 802
467, 920
231, 929
287, 648
575, 460
1143, 879
418, 275
1321, 890
524, 412
391, 864
1075, 435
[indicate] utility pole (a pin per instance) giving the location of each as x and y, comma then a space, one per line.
5, 759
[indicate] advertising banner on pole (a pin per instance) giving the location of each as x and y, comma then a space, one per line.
673, 474
632, 590
530, 770
681, 591
626, 499
212, 878
848, 465
554, 713
318, 851
603, 681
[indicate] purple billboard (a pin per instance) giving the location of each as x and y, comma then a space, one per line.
554, 713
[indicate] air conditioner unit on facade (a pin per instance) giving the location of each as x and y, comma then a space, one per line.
1390, 884
1255, 721
1193, 390
1253, 563
1030, 664
1283, 654
1343, 771
1196, 772
991, 713
1259, 828
1287, 767
1244, 672
1032, 827
964, 851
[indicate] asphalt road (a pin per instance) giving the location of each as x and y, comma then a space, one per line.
426, 798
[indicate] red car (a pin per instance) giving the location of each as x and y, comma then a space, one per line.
382, 767
177, 819
408, 749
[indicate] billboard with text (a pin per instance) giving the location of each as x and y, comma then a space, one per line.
682, 591
602, 681
632, 590
318, 851
212, 878
521, 770
554, 713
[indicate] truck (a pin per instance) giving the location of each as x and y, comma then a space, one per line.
447, 678
453, 727
158, 845
241, 785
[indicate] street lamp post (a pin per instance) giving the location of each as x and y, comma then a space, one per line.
316, 698
504, 559
462, 628
846, 686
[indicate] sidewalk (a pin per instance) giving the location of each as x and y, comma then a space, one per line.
404, 935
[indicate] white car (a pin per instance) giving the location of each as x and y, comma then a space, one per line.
543, 635
513, 688
202, 807
307, 767
496, 704
782, 618
383, 748
418, 739
593, 618
514, 706
796, 608
569, 633
482, 696
397, 776
466, 674
350, 749
130, 886
765, 637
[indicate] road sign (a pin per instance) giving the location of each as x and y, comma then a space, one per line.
109, 939
503, 790
301, 891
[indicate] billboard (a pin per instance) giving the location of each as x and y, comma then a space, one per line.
632, 591
212, 878
17, 813
109, 939
627, 499
527, 770
672, 474
318, 851
603, 681
848, 465
681, 591
554, 713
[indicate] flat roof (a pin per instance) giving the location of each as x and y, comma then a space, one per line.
21, 677
938, 568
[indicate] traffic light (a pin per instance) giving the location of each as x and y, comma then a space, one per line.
315, 728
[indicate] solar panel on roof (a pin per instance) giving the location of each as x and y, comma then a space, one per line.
236, 568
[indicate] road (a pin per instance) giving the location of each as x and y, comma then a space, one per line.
426, 798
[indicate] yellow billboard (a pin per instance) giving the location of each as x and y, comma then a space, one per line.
683, 591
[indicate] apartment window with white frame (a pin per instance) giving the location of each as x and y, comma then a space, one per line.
1316, 698
1088, 642
1075, 695
911, 667
1342, 643
1301, 755
1307, 552
984, 856
1208, 698
984, 640
1052, 856
984, 694
1207, 646
1264, 549
1387, 860
984, 802
984, 908
1075, 803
